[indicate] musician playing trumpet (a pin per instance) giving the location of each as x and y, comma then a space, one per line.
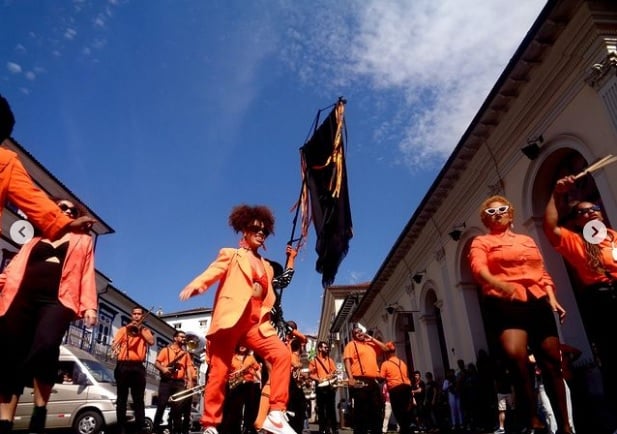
243, 393
131, 348
322, 369
176, 368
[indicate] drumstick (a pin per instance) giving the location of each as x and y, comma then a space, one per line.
597, 165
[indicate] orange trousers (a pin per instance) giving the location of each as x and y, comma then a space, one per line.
221, 350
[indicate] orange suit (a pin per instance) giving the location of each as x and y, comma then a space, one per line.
238, 317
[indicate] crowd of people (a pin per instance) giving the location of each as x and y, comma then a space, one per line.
255, 379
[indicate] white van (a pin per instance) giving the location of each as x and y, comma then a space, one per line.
83, 398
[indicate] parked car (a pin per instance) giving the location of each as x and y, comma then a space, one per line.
150, 411
83, 398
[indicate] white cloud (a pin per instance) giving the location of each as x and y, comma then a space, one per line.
13, 68
30, 75
441, 56
99, 21
70, 33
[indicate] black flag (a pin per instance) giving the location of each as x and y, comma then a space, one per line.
325, 187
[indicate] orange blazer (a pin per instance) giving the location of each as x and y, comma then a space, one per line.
17, 186
232, 269
77, 289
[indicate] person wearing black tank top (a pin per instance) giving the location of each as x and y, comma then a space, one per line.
46, 285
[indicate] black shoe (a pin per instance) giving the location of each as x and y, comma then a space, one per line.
5, 426
37, 420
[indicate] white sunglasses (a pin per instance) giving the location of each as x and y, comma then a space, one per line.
497, 210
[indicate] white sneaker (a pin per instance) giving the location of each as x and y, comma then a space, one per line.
276, 423
210, 430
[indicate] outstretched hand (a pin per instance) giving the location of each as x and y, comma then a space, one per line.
188, 292
90, 318
564, 184
81, 224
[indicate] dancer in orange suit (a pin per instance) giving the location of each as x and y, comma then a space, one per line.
241, 314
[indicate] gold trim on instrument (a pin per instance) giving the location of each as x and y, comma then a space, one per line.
187, 393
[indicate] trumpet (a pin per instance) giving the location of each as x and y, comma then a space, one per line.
133, 329
187, 393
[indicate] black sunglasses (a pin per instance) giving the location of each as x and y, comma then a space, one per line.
581, 211
256, 229
71, 209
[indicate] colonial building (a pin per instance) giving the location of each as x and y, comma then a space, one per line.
553, 111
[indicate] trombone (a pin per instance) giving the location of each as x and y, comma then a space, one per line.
187, 393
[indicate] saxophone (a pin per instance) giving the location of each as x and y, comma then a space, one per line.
236, 378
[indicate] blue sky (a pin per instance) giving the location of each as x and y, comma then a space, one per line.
163, 115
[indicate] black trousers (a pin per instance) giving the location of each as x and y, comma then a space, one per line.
130, 375
326, 409
400, 398
33, 331
296, 404
368, 407
168, 387
240, 408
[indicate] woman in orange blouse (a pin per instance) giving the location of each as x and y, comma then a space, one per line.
519, 302
241, 314
46, 285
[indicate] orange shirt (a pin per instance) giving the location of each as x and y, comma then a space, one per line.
572, 247
321, 368
363, 356
394, 370
248, 363
183, 361
132, 348
513, 258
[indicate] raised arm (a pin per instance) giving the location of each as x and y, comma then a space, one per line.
551, 214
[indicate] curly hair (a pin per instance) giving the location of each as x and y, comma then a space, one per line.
243, 216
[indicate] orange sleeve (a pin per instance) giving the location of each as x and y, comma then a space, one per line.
88, 294
162, 357
299, 336
39, 208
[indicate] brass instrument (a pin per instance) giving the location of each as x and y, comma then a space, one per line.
194, 343
115, 348
236, 378
134, 329
187, 393
329, 382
